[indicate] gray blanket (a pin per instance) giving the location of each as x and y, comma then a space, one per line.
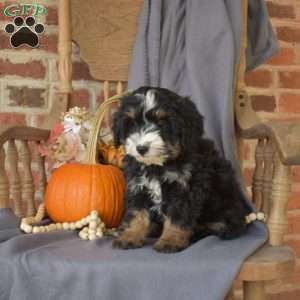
189, 46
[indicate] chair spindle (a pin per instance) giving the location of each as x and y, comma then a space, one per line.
280, 193
119, 88
258, 177
15, 181
4, 188
268, 175
27, 182
42, 172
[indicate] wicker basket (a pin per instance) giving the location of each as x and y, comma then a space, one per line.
108, 152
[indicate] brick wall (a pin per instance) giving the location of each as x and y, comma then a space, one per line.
28, 82
275, 88
29, 79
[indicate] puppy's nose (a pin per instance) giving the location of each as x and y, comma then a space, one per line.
142, 149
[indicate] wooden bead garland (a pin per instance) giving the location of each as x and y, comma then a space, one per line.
92, 227
259, 216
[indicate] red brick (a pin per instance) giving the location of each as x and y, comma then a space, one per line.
293, 240
263, 103
12, 119
33, 69
259, 78
81, 71
289, 103
288, 34
24, 96
52, 16
4, 40
80, 98
289, 79
294, 201
294, 221
281, 11
296, 172
286, 56
2, 16
290, 294
48, 43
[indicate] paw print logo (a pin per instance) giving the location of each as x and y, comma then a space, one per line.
24, 32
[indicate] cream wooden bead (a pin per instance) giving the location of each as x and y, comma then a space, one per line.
66, 226
92, 237
93, 225
83, 235
26, 228
59, 226
91, 231
78, 224
42, 229
252, 217
260, 216
94, 214
86, 220
99, 233
35, 229
72, 226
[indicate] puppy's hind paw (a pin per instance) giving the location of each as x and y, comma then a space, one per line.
127, 244
165, 247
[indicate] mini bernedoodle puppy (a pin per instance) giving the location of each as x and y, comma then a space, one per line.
178, 187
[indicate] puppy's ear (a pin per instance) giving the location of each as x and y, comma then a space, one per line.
193, 118
117, 128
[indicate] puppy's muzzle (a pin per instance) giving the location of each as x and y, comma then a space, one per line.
142, 149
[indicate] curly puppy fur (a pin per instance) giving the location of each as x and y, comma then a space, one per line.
178, 187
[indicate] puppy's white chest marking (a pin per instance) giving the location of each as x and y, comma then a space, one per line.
152, 186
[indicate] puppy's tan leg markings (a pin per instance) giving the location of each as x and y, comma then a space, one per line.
135, 234
173, 239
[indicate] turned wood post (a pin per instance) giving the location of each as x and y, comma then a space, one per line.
4, 189
27, 180
280, 193
65, 46
60, 103
258, 176
15, 181
42, 172
268, 175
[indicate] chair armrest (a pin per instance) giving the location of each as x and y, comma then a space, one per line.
23, 133
284, 134
278, 148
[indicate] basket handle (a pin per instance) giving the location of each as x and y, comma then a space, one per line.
91, 151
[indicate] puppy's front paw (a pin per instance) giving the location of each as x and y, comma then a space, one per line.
128, 242
168, 246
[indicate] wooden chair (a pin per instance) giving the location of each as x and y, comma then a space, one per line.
107, 49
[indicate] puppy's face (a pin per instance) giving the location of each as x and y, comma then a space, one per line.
152, 125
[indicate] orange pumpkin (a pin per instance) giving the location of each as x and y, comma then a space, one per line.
75, 189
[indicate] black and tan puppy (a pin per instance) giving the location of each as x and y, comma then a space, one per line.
176, 180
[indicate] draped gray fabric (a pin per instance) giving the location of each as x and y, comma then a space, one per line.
189, 46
